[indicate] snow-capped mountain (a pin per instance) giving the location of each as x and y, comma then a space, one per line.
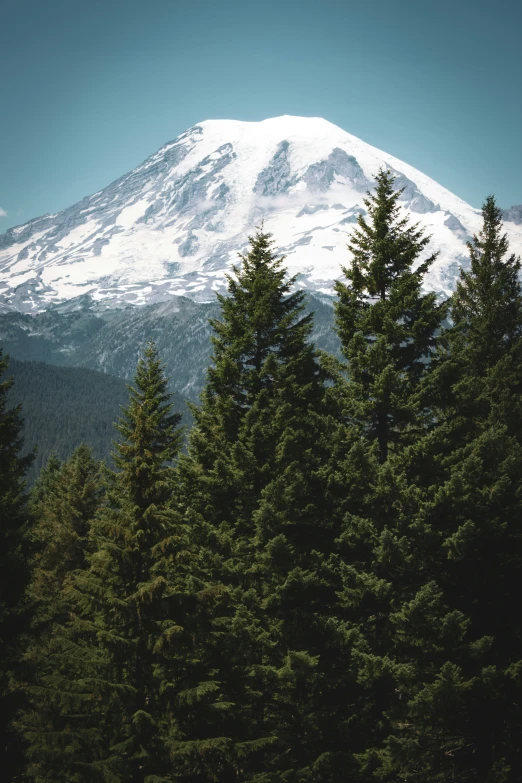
175, 224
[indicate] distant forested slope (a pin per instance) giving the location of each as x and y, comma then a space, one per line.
65, 406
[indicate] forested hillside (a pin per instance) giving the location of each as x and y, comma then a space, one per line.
66, 406
84, 335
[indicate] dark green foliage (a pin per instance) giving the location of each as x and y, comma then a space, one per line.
388, 329
463, 722
487, 305
66, 406
253, 478
95, 692
14, 568
386, 325
324, 587
477, 374
260, 351
118, 594
64, 502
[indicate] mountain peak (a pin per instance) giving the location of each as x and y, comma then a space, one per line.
286, 123
175, 224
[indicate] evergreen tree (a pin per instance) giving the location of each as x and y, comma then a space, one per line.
476, 374
388, 329
463, 721
387, 326
64, 502
44, 483
487, 305
119, 596
260, 341
96, 694
14, 568
253, 478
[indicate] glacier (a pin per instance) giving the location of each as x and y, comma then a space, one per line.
174, 225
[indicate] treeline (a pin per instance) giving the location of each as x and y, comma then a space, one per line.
64, 407
324, 588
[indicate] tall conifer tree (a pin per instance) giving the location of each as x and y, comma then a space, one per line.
118, 596
487, 305
388, 328
477, 373
463, 721
253, 475
259, 343
64, 502
387, 325
110, 723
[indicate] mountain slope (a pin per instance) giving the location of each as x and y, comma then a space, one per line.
174, 225
110, 340
65, 406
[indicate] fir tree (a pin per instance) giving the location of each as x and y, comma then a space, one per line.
462, 722
388, 329
386, 324
44, 483
487, 305
14, 568
64, 502
101, 686
262, 336
253, 476
476, 374
119, 596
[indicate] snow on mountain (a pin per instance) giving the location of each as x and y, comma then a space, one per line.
175, 224
513, 214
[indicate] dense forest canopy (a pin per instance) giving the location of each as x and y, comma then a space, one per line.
322, 585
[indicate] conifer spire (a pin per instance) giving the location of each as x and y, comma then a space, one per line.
105, 684
386, 324
457, 722
253, 477
487, 304
120, 591
64, 502
260, 339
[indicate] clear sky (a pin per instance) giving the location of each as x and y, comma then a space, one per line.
89, 88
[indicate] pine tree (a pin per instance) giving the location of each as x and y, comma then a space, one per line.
102, 685
44, 483
262, 336
119, 597
388, 329
14, 568
487, 305
464, 720
479, 427
387, 326
64, 501
476, 374
253, 477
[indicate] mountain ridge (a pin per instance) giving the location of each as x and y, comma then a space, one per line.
174, 225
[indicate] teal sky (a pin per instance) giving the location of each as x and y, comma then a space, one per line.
89, 88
